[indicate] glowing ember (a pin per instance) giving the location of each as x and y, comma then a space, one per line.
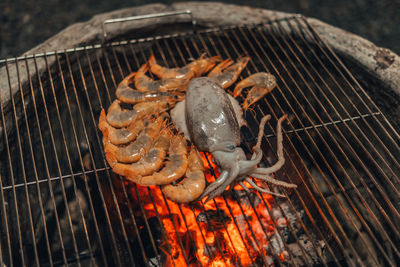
223, 232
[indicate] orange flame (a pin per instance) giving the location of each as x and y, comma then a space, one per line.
237, 235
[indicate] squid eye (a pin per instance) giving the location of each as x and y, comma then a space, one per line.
231, 147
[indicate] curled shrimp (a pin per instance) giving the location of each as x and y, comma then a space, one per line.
129, 95
151, 162
144, 83
192, 185
195, 68
119, 136
119, 117
134, 151
174, 169
225, 74
262, 83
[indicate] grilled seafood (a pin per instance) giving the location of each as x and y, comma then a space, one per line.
262, 83
225, 74
119, 136
129, 95
118, 117
144, 83
147, 152
174, 169
213, 127
150, 162
192, 185
195, 68
133, 151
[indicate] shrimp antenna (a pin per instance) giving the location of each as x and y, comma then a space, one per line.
252, 110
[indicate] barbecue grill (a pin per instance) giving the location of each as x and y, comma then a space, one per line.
60, 203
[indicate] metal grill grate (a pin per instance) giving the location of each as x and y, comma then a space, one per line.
62, 205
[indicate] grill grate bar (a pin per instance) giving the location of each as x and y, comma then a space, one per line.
164, 230
35, 171
376, 165
205, 47
3, 202
355, 124
148, 226
45, 157
248, 72
165, 201
230, 56
175, 63
176, 231
81, 162
336, 63
359, 195
122, 185
12, 176
41, 206
215, 204
339, 148
337, 199
238, 54
365, 186
70, 167
132, 216
111, 187
355, 106
344, 154
336, 221
219, 212
86, 172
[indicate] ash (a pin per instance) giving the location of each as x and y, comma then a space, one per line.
286, 237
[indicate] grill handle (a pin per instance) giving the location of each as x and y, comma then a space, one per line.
149, 16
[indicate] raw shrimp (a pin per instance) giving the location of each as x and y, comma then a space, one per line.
118, 117
130, 96
119, 136
225, 74
262, 83
151, 162
193, 69
134, 151
192, 185
144, 83
174, 169
127, 94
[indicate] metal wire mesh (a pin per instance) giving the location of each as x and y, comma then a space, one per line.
62, 205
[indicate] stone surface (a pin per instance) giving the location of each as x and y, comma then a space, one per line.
211, 14
25, 24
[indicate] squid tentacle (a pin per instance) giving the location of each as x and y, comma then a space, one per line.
233, 173
263, 190
268, 178
213, 186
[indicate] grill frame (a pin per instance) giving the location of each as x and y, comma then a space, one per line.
114, 47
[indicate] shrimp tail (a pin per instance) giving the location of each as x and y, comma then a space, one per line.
102, 120
192, 185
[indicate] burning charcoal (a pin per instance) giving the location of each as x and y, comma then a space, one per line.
308, 258
247, 199
216, 218
275, 246
210, 250
155, 228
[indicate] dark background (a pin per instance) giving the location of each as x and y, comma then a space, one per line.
26, 23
